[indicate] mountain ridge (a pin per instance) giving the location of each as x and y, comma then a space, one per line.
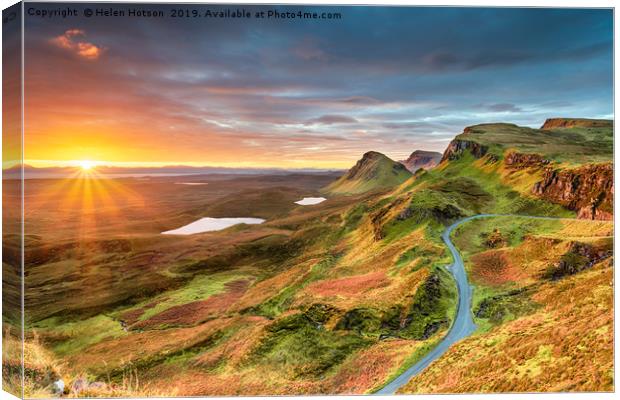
553, 123
373, 171
422, 159
571, 159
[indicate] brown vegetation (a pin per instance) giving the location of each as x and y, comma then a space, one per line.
565, 346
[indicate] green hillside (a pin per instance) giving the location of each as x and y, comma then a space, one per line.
574, 144
338, 297
373, 171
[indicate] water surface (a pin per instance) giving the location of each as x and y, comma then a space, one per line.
308, 201
212, 224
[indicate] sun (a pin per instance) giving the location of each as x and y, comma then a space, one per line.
86, 165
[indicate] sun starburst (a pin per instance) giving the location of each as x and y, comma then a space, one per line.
86, 165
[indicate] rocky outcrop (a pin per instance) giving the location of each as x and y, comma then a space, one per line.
422, 159
558, 123
516, 160
587, 190
495, 239
458, 146
579, 257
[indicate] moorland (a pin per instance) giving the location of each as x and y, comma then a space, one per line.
337, 297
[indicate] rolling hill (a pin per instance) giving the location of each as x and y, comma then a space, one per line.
373, 171
342, 296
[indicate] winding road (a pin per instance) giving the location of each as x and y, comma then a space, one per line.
463, 325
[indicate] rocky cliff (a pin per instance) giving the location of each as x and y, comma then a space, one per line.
458, 146
558, 123
515, 160
588, 189
570, 157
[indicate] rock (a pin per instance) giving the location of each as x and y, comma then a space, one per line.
555, 123
405, 214
495, 239
446, 213
457, 147
432, 328
587, 189
579, 257
516, 160
58, 387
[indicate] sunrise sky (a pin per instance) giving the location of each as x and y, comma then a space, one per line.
318, 93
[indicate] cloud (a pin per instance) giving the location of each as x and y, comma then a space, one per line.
440, 60
331, 119
71, 40
360, 100
308, 50
411, 126
504, 107
359, 79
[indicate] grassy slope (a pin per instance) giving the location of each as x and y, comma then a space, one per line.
535, 333
510, 281
338, 297
573, 146
373, 171
408, 246
468, 186
324, 247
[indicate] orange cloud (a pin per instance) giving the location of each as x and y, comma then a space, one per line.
70, 40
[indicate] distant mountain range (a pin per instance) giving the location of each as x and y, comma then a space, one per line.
422, 159
31, 172
572, 155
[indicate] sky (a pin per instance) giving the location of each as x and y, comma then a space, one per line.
297, 93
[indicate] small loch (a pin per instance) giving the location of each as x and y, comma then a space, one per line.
309, 201
212, 224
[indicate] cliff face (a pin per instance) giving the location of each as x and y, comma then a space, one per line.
588, 190
555, 123
458, 146
516, 160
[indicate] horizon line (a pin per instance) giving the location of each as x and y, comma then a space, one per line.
102, 165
